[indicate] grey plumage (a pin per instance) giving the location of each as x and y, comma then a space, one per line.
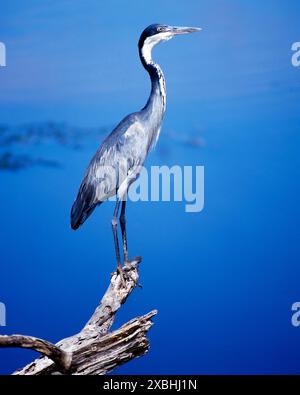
118, 161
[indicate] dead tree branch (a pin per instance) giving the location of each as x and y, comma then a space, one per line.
61, 358
94, 350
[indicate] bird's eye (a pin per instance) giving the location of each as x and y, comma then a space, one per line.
159, 29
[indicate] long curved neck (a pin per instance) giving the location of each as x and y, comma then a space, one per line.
157, 99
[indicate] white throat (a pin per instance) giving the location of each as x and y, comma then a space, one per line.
150, 42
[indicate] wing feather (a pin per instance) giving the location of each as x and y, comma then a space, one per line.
116, 162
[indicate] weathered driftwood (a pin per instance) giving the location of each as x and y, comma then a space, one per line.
61, 358
94, 350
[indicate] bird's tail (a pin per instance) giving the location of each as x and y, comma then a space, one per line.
82, 208
78, 217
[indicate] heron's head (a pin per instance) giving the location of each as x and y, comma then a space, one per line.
157, 33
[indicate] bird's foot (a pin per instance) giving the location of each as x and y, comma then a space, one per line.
125, 271
132, 264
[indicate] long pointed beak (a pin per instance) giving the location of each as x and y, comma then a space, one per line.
183, 30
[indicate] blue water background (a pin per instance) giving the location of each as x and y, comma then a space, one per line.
223, 280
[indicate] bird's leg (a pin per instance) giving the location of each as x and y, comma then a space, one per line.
124, 240
123, 230
114, 222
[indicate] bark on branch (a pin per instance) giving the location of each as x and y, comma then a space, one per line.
94, 350
61, 358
